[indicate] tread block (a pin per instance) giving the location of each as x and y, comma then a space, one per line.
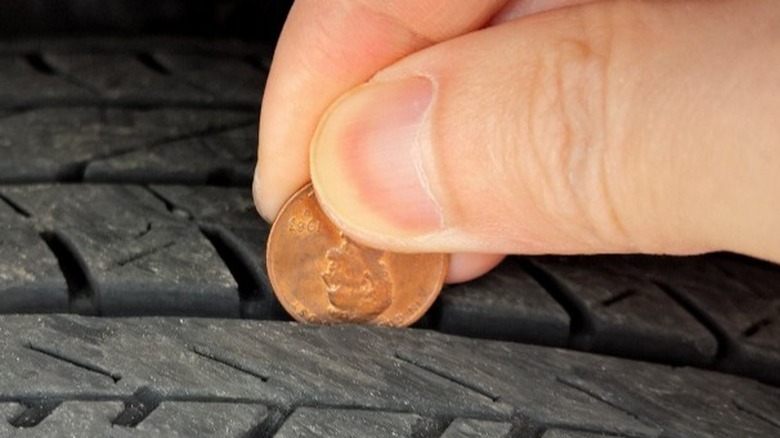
232, 208
110, 210
125, 78
197, 419
70, 356
165, 271
740, 298
504, 304
357, 365
310, 423
231, 215
226, 158
623, 312
469, 428
26, 372
529, 386
231, 79
690, 409
137, 257
30, 278
53, 144
23, 84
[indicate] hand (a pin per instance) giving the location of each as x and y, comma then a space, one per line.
493, 127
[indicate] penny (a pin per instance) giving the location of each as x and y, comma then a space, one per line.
322, 276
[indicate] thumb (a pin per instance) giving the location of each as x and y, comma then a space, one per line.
574, 131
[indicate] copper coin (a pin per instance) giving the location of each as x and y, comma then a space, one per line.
322, 276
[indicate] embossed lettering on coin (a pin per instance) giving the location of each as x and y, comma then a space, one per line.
321, 275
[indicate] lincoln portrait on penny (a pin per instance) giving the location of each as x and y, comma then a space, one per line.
357, 281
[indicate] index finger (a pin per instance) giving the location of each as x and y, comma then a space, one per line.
327, 48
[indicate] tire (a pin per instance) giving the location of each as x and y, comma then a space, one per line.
136, 301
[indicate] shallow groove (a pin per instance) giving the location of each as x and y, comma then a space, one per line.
142, 403
34, 414
598, 397
143, 254
725, 344
756, 327
214, 130
472, 388
581, 327
75, 361
248, 289
14, 206
38, 62
206, 354
759, 416
151, 63
80, 292
217, 179
257, 63
619, 297
170, 206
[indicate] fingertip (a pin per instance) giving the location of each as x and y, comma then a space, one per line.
468, 266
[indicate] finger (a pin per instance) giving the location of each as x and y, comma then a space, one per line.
325, 49
468, 266
582, 136
516, 9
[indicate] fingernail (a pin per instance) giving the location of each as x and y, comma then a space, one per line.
368, 160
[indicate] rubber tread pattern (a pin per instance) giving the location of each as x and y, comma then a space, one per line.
147, 132
190, 376
85, 143
627, 314
194, 250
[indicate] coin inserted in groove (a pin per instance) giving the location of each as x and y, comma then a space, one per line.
322, 276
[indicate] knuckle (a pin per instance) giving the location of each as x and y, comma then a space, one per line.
567, 130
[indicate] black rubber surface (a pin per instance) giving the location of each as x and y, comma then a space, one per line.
125, 168
198, 377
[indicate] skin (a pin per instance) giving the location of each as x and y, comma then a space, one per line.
498, 127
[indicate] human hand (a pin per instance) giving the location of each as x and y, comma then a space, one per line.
494, 127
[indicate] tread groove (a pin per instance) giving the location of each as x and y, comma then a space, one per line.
143, 254
142, 403
149, 61
172, 208
34, 414
209, 355
219, 179
595, 396
80, 292
611, 301
14, 206
37, 62
473, 388
757, 326
756, 415
724, 342
580, 324
248, 290
76, 362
